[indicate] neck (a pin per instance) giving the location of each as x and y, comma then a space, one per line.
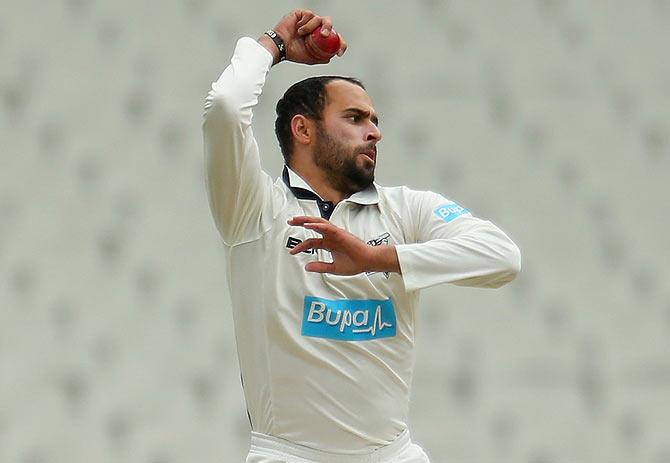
318, 180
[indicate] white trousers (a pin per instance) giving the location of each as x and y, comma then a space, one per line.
269, 449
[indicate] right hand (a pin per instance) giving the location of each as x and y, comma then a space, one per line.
295, 27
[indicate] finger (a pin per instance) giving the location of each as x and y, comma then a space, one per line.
310, 25
311, 243
300, 220
343, 46
318, 227
326, 26
320, 267
304, 15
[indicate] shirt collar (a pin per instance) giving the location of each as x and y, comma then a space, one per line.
301, 189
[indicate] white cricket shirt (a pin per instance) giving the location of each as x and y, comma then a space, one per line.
327, 360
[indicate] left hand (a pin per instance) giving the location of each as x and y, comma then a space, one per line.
350, 255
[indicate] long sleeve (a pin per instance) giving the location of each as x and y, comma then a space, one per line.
453, 246
239, 191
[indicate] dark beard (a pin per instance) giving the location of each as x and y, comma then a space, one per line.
339, 163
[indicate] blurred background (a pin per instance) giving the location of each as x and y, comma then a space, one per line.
549, 117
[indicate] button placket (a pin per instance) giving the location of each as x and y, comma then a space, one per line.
325, 209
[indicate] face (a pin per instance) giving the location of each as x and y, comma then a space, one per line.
345, 146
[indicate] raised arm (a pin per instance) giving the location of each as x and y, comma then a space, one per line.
239, 191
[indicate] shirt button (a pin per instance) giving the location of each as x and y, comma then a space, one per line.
326, 207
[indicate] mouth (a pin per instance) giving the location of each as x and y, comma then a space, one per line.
371, 153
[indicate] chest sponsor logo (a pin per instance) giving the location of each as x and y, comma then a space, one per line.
293, 242
449, 212
348, 319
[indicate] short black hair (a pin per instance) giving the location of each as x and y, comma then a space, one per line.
307, 97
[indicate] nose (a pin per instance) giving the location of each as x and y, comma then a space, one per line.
373, 132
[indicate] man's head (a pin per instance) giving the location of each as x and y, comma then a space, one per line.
330, 119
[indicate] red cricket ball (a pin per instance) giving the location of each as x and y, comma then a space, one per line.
329, 44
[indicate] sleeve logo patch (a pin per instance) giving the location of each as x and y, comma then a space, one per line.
449, 212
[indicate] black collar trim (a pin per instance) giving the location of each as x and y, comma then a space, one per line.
298, 192
325, 207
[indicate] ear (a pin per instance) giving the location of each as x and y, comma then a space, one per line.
302, 129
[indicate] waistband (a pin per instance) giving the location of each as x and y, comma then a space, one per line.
274, 445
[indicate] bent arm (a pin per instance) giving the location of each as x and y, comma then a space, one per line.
455, 247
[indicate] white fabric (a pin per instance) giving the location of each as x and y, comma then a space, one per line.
327, 360
268, 449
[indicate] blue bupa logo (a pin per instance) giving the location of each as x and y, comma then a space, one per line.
449, 212
348, 319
